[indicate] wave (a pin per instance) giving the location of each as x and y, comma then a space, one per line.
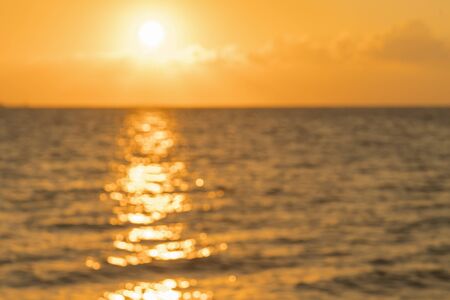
380, 281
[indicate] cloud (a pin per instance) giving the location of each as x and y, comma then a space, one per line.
412, 42
398, 67
286, 50
197, 54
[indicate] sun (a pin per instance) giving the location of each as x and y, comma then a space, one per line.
151, 34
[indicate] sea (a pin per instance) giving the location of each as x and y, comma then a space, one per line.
231, 204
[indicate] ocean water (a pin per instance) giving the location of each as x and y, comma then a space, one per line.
225, 204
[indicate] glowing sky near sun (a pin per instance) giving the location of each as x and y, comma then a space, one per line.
224, 53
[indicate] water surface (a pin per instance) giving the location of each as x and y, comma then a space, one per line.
225, 204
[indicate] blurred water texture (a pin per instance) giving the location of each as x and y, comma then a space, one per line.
225, 204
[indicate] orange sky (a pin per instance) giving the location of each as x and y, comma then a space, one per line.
226, 53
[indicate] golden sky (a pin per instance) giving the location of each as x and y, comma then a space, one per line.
225, 53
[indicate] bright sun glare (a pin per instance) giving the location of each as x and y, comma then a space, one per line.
151, 34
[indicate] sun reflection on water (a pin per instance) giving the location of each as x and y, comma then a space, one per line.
151, 188
168, 289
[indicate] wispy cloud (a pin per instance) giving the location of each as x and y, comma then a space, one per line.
412, 42
286, 70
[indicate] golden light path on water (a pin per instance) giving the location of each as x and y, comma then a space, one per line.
168, 289
150, 189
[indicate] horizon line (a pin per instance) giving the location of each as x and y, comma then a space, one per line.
137, 107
